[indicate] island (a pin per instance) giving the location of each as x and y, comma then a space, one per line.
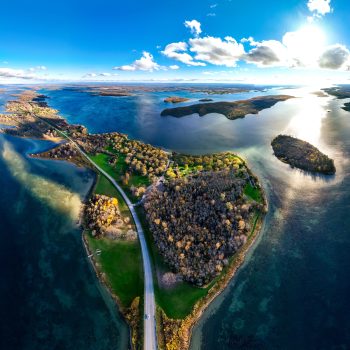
176, 99
346, 107
340, 91
301, 154
200, 215
205, 100
229, 90
231, 110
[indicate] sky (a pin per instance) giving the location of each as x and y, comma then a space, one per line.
238, 41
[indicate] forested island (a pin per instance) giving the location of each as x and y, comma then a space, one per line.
301, 154
231, 110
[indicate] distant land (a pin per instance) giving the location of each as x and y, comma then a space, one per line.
301, 154
231, 110
346, 107
340, 92
176, 99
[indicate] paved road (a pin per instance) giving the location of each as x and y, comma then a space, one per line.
150, 338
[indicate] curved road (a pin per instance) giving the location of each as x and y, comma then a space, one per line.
149, 322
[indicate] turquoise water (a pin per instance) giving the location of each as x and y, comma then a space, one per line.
292, 292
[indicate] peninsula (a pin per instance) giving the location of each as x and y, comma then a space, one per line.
231, 110
195, 218
301, 154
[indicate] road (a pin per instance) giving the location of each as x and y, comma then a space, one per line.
149, 324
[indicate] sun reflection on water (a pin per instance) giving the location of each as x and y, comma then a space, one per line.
307, 123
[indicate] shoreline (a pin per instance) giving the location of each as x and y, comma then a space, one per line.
185, 326
181, 328
104, 283
231, 275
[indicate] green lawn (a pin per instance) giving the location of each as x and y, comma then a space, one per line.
121, 262
178, 302
253, 193
118, 170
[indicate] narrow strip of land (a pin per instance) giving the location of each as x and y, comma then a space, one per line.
150, 338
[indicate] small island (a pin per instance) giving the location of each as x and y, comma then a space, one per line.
205, 100
176, 99
346, 107
231, 110
301, 154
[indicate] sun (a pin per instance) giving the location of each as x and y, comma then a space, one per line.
306, 44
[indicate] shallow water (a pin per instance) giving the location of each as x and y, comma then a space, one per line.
49, 297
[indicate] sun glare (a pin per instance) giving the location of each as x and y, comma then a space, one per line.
306, 44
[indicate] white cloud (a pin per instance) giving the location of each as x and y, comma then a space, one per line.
211, 14
217, 51
213, 6
16, 73
37, 68
267, 53
174, 67
303, 48
177, 51
145, 63
194, 26
335, 57
319, 7
99, 75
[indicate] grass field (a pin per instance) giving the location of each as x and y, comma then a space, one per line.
118, 170
121, 262
253, 193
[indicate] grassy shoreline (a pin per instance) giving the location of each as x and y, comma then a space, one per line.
181, 330
125, 284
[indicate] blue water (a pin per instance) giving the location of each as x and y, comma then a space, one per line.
49, 297
292, 292
139, 117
